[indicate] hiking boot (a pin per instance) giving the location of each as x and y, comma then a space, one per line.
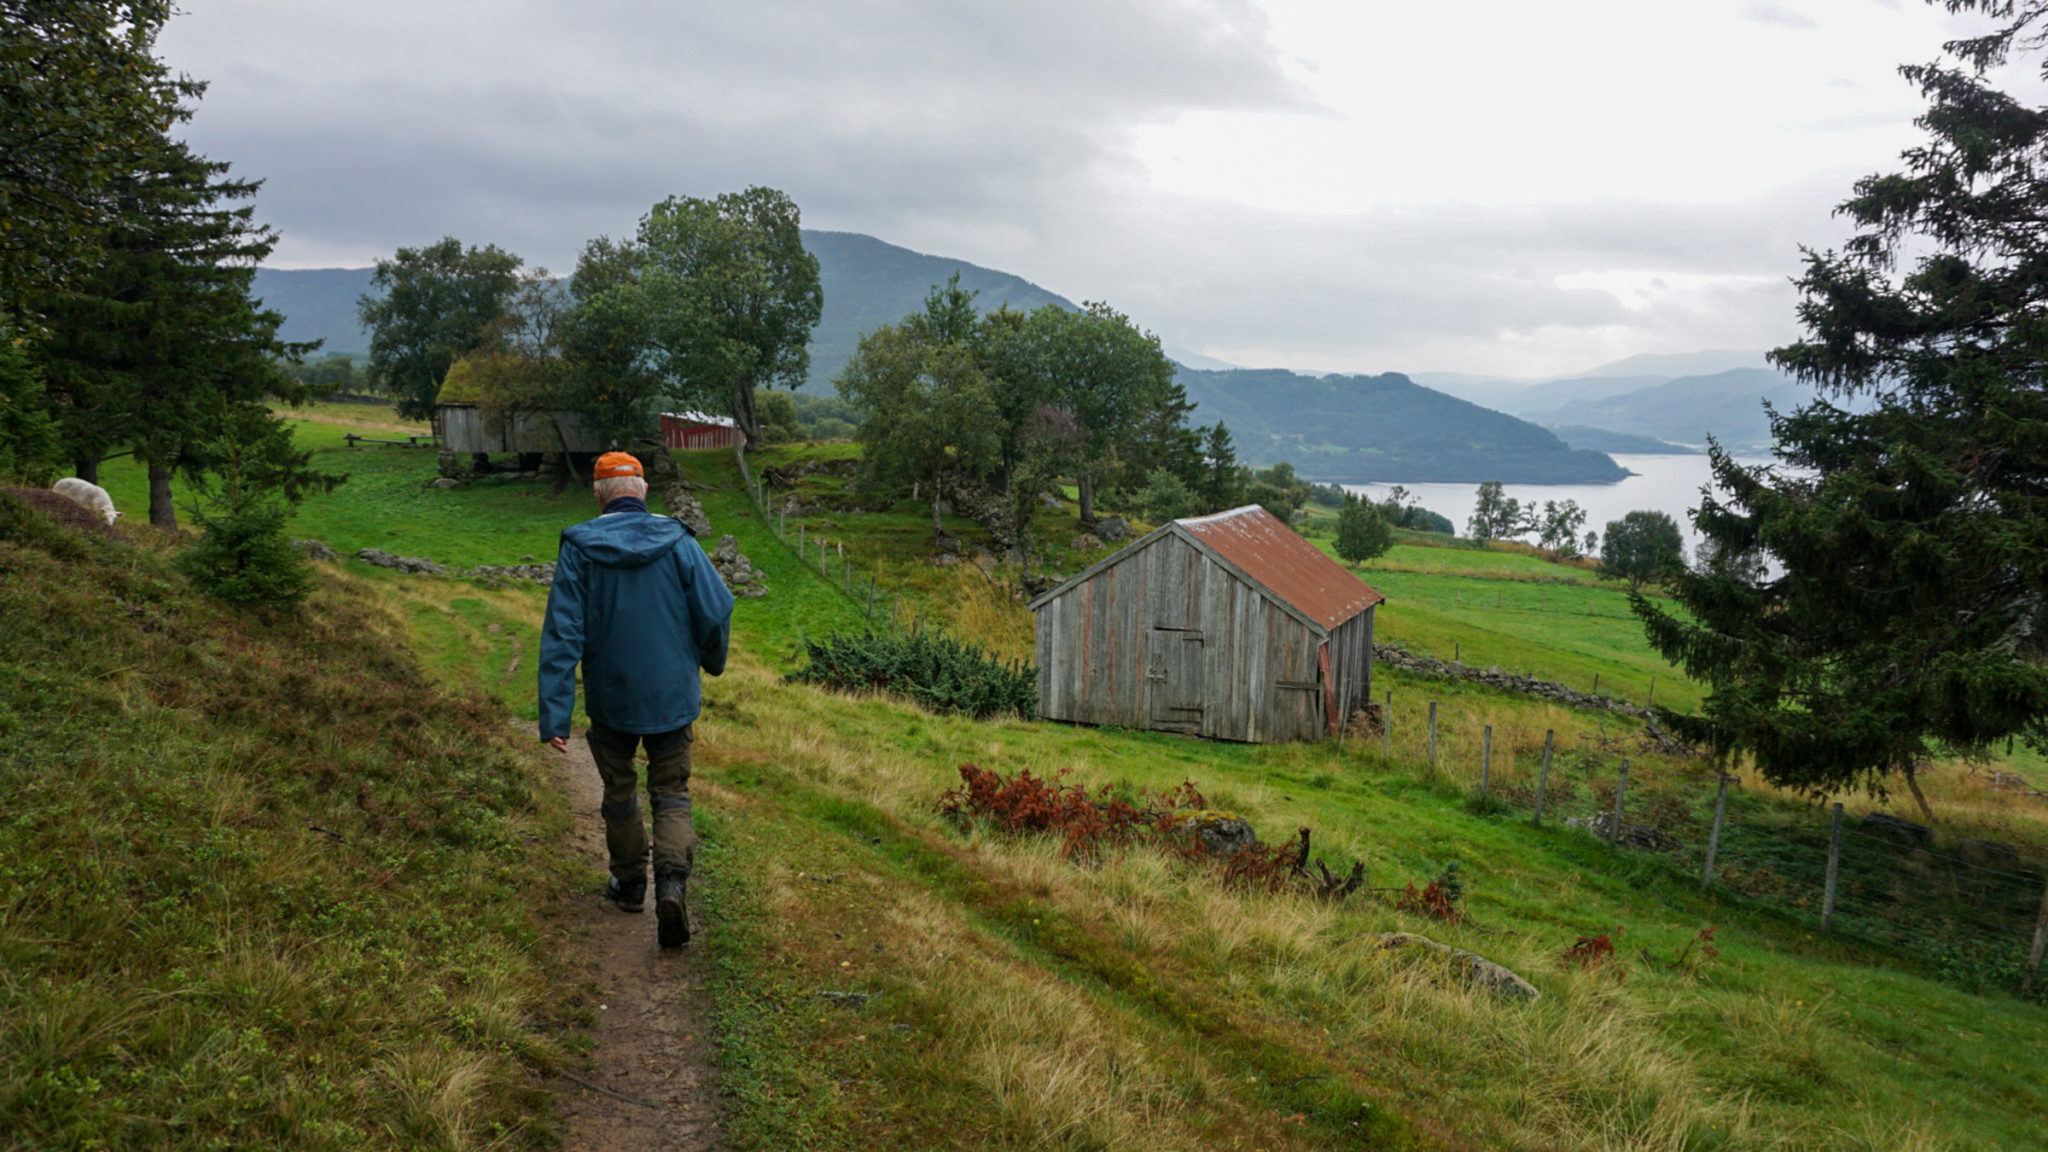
669, 911
629, 895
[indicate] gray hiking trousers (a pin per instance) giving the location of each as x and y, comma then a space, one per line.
668, 793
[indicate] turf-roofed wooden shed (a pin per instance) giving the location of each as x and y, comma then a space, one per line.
1229, 626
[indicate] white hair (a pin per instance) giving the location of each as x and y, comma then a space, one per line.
610, 488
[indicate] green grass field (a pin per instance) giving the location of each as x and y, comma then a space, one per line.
1021, 1000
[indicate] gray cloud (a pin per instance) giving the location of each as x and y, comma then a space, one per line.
994, 132
1779, 16
536, 125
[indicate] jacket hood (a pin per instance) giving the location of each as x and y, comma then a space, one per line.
626, 540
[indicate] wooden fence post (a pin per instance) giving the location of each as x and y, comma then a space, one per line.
1486, 762
1620, 790
1432, 735
800, 542
2040, 943
1457, 651
1714, 838
871, 596
1387, 728
1827, 899
1543, 777
1596, 683
1653, 691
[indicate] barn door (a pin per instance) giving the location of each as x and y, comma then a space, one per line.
1173, 674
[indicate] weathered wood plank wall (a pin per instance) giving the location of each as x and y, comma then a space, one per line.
1167, 638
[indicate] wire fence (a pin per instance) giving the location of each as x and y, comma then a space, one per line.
828, 558
1972, 912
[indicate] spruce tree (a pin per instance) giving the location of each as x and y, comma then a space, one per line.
1880, 601
160, 347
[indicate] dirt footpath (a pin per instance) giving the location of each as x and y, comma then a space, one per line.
651, 1083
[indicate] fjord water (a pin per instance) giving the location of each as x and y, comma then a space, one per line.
1669, 484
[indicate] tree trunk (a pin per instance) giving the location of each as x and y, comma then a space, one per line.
1085, 484
88, 469
1913, 784
744, 415
161, 513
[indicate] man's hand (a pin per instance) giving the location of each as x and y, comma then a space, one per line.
558, 743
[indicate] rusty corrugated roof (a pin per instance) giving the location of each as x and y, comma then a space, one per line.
1290, 567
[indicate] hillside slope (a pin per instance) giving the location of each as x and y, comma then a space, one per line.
262, 883
1357, 429
870, 282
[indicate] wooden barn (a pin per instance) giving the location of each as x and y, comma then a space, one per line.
698, 430
464, 424
1229, 626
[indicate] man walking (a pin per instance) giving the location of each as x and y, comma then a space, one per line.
636, 601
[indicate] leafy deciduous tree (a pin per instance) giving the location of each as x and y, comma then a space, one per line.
434, 305
1362, 533
1497, 516
732, 296
928, 413
1642, 546
1558, 526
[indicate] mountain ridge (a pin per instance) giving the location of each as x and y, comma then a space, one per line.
1362, 429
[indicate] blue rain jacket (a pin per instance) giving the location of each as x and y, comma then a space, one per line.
637, 602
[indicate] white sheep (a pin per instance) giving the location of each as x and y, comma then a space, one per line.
90, 496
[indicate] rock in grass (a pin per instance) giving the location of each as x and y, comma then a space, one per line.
1220, 833
1472, 967
383, 559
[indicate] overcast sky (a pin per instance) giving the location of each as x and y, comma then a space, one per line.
1492, 186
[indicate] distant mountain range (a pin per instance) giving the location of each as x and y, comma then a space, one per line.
1726, 405
1429, 427
1357, 429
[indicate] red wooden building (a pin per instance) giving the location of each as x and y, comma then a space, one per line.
698, 430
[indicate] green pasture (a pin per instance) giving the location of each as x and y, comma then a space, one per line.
1785, 1038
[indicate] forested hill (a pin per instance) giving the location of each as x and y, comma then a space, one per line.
867, 283
1357, 429
317, 304
870, 282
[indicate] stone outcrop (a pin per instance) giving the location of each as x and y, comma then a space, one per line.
1897, 830
1219, 833
684, 506
316, 549
786, 475
737, 571
539, 573
414, 564
1471, 967
1648, 836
